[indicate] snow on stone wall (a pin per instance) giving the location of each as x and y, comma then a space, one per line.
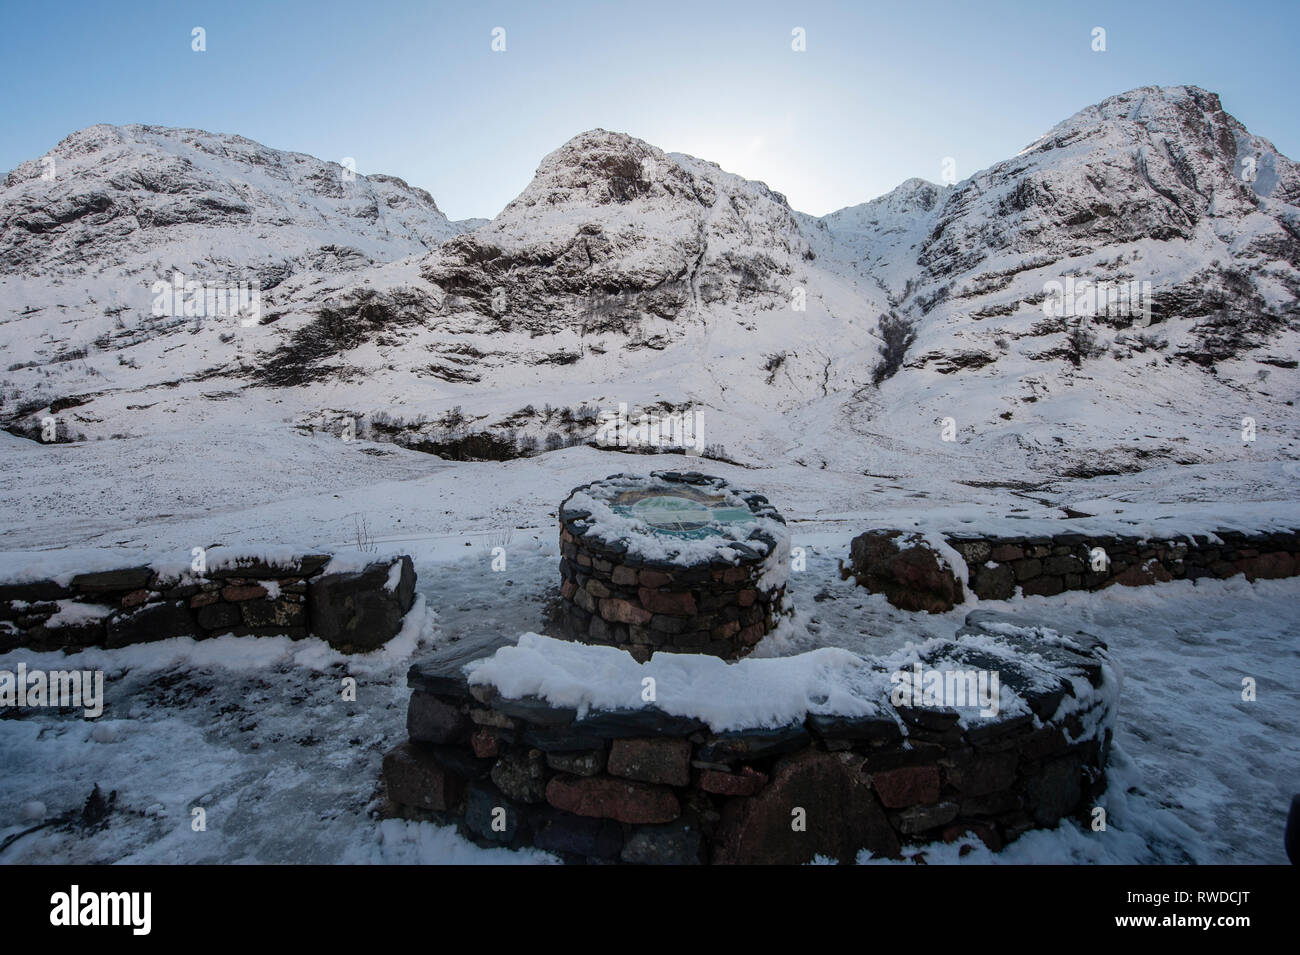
1051, 565
933, 572
816, 758
717, 588
353, 609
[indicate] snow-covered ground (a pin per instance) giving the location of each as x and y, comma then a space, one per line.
765, 322
256, 731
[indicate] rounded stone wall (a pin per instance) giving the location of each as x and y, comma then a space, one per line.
674, 562
669, 783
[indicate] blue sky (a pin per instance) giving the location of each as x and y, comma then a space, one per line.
884, 91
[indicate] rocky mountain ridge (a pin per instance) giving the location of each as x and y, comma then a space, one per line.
624, 273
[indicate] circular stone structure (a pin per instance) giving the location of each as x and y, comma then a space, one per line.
675, 562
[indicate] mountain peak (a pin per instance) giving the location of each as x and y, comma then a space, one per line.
598, 167
151, 199
1187, 113
608, 213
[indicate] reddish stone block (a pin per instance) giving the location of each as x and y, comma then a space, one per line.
746, 597
204, 599
135, 598
567, 589
238, 592
606, 798
413, 777
664, 601
623, 611
908, 786
654, 578
659, 760
1272, 566
1142, 575
728, 629
747, 782
841, 816
485, 744
751, 634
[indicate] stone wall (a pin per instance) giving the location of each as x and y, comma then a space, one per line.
1051, 565
908, 568
716, 610
354, 610
644, 786
613, 597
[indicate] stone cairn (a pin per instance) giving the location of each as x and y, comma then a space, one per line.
703, 573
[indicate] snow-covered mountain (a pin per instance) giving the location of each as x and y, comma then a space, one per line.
626, 274
880, 239
89, 228
1157, 186
149, 199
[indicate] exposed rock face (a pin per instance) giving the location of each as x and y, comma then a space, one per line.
904, 568
1148, 164
618, 252
656, 234
89, 228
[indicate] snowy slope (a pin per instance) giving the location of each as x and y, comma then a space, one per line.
1158, 186
880, 239
86, 231
152, 198
623, 274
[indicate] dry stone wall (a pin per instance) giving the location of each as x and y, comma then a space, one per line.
909, 570
353, 610
720, 603
646, 786
1051, 565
